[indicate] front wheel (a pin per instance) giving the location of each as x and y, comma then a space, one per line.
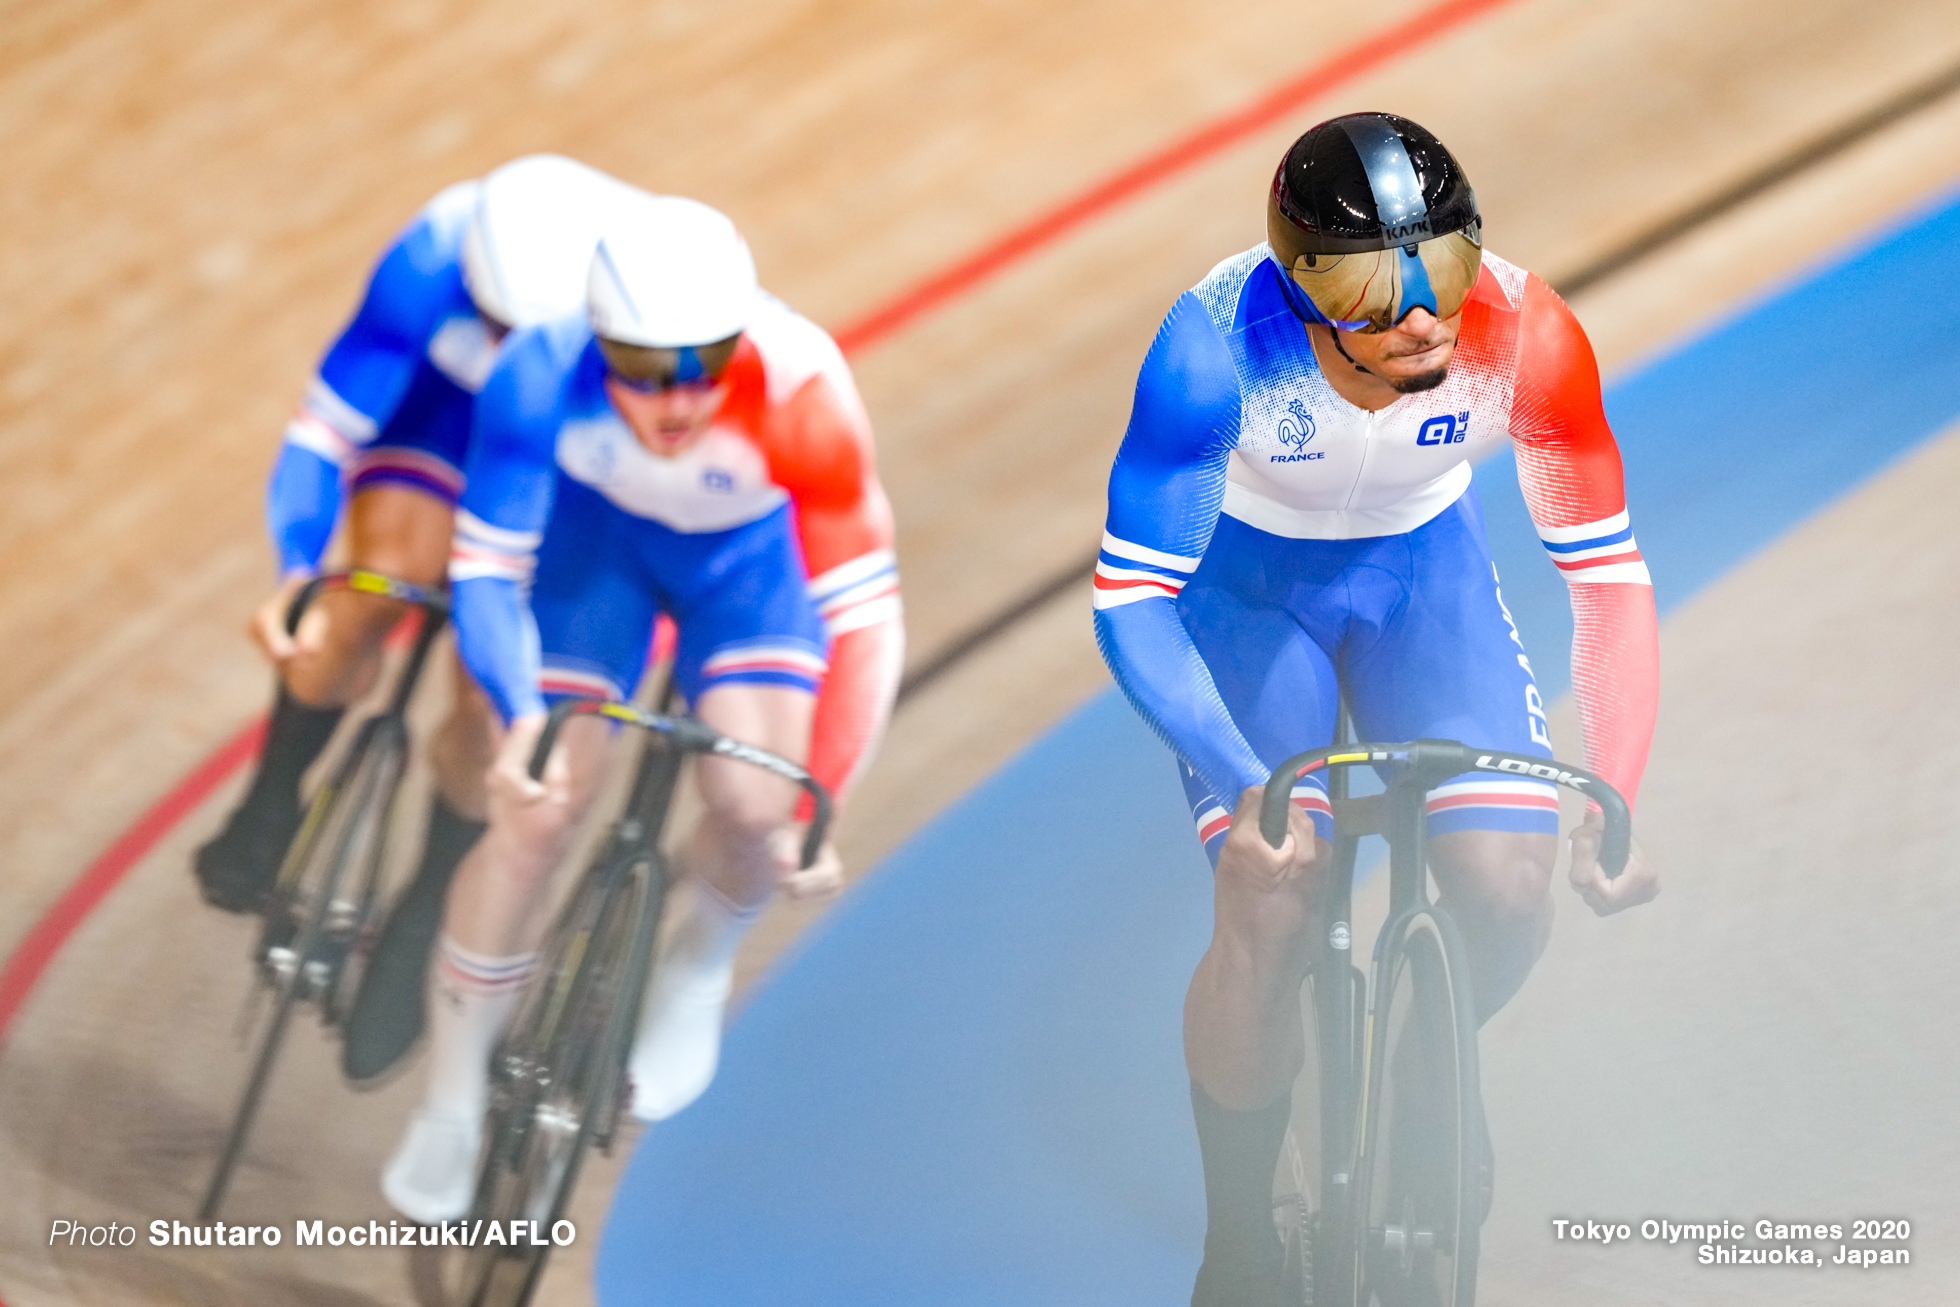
1419, 1198
554, 1079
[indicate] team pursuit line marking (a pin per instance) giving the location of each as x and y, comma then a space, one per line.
31, 957
1809, 155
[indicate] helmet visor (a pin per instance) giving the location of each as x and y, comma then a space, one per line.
1374, 290
650, 369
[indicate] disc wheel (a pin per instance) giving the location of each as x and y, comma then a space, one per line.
310, 923
554, 1079
1419, 1198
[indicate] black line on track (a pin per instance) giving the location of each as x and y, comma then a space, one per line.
1799, 160
1783, 168
996, 625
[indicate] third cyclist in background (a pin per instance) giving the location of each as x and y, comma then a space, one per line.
385, 427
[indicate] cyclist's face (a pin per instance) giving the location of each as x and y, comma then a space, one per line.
668, 421
1412, 355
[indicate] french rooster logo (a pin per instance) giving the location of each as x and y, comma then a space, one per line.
1298, 429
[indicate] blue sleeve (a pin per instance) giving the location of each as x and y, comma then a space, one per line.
510, 481
417, 284
1164, 494
498, 639
361, 383
301, 502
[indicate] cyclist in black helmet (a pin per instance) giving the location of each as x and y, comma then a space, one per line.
1289, 522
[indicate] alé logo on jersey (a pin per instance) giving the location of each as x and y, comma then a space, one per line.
1296, 432
1444, 429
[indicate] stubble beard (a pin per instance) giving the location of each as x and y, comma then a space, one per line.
1421, 381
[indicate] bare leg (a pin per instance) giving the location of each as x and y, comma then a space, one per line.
397, 531
493, 922
390, 1009
1243, 1046
496, 904
1497, 886
1242, 1037
737, 849
736, 857
464, 746
392, 530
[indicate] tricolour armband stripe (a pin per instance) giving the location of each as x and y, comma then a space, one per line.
858, 593
482, 550
1612, 572
848, 576
1132, 554
326, 404
1312, 798
503, 539
310, 432
876, 588
1595, 553
469, 564
1580, 534
868, 611
1116, 586
1213, 821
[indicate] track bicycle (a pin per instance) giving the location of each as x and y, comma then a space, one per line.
317, 922
559, 1081
1390, 1214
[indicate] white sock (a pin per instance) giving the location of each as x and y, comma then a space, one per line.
701, 949
475, 996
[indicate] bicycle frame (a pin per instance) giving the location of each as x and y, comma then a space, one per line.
389, 726
575, 1031
1401, 816
288, 963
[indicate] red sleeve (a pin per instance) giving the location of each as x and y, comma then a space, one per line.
1569, 468
820, 451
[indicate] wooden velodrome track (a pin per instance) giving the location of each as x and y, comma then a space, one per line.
195, 191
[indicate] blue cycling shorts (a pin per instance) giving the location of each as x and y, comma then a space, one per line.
1411, 627
424, 445
739, 598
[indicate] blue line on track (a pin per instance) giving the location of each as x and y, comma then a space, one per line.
966, 1086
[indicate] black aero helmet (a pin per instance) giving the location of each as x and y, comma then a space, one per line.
1369, 217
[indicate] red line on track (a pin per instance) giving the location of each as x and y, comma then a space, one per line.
37, 950
1184, 153
34, 953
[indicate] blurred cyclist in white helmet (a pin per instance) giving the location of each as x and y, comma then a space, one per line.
694, 448
383, 434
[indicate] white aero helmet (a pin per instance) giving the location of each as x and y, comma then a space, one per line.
670, 273
530, 239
